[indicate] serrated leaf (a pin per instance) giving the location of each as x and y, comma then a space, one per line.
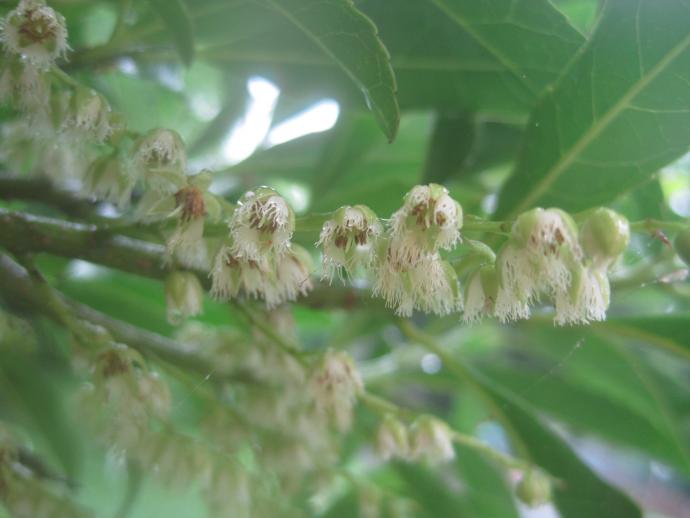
617, 115
350, 39
175, 15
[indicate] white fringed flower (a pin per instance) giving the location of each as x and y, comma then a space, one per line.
275, 282
262, 224
428, 221
431, 286
480, 294
88, 116
292, 279
184, 296
586, 301
392, 439
335, 385
25, 86
604, 236
432, 440
542, 251
36, 32
348, 241
107, 180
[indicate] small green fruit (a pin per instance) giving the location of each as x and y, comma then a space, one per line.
534, 489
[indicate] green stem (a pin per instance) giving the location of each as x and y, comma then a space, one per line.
652, 225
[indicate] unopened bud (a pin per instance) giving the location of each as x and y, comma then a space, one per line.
534, 489
605, 234
184, 296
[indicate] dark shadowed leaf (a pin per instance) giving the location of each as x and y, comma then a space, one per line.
618, 113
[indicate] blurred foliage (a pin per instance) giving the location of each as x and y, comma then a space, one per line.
510, 104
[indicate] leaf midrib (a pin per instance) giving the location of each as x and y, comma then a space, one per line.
503, 59
594, 130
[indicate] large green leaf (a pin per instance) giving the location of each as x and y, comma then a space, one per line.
350, 39
582, 493
617, 114
175, 16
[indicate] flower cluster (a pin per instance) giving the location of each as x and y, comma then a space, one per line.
258, 258
428, 438
547, 254
411, 274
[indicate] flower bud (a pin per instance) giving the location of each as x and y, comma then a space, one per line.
183, 295
391, 439
432, 440
604, 235
335, 384
347, 241
682, 245
534, 489
262, 224
36, 32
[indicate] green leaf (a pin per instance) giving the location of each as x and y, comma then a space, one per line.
617, 114
466, 55
667, 332
450, 146
583, 493
175, 15
350, 39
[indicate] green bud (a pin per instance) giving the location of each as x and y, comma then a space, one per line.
682, 245
436, 191
525, 224
534, 489
605, 234
184, 296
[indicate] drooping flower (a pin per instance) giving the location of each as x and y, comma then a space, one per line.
604, 236
88, 116
107, 180
348, 241
480, 294
429, 221
262, 225
190, 204
542, 251
183, 295
432, 440
431, 286
24, 86
392, 439
335, 384
35, 32
282, 279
